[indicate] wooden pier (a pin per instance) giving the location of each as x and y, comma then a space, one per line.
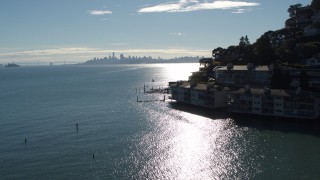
152, 90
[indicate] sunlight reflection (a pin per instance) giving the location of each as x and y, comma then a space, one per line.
187, 146
192, 150
180, 71
188, 149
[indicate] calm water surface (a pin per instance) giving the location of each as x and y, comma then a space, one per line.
130, 140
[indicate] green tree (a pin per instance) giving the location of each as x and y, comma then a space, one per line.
293, 9
242, 42
246, 40
279, 79
304, 80
280, 53
315, 4
309, 49
286, 56
290, 44
263, 50
249, 56
217, 53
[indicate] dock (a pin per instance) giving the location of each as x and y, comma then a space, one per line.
152, 89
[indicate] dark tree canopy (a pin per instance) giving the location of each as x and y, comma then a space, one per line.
244, 41
293, 9
304, 80
279, 79
263, 50
316, 4
309, 49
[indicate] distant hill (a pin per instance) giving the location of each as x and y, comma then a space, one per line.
11, 65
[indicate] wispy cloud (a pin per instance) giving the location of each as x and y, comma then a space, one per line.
180, 34
238, 11
196, 5
99, 12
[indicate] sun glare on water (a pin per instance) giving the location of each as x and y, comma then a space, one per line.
180, 71
185, 146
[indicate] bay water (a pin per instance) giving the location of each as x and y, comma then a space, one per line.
119, 138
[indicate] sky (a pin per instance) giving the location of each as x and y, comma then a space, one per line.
75, 31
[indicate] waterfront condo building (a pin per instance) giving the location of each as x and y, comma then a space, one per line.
274, 102
203, 94
243, 75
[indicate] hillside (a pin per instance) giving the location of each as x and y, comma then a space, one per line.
298, 41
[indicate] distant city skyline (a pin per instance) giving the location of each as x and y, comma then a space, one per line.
115, 56
77, 30
119, 56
